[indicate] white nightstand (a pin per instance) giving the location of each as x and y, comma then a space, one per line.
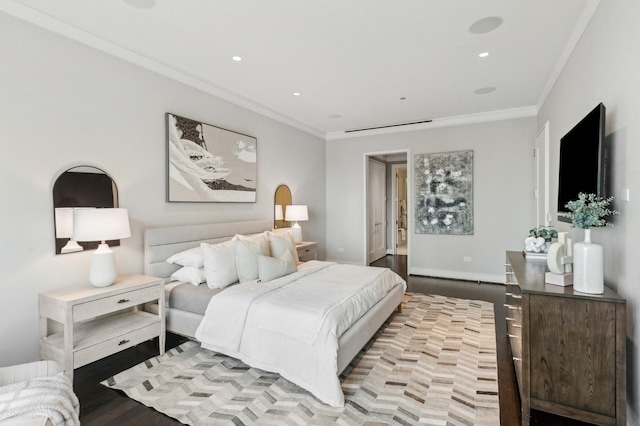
100, 321
307, 250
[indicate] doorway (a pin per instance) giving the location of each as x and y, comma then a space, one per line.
387, 217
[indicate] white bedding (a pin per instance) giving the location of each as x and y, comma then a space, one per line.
291, 325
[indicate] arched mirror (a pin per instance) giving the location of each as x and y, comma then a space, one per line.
282, 200
80, 187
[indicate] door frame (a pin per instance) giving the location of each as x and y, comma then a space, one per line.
542, 174
365, 219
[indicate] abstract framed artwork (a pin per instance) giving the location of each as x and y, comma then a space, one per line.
443, 185
206, 163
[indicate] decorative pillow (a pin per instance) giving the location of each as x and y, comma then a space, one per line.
247, 251
219, 264
189, 274
280, 242
270, 268
191, 257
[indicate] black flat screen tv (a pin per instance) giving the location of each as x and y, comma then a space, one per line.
582, 160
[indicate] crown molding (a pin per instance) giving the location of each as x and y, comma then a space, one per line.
45, 21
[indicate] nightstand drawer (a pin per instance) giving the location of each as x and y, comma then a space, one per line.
114, 303
108, 347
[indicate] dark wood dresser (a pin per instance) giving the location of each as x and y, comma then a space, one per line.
568, 347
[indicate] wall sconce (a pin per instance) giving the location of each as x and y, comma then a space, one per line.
101, 225
295, 213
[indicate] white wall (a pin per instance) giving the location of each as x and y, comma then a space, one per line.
503, 197
605, 67
65, 104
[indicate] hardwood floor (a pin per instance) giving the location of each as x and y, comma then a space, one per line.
100, 405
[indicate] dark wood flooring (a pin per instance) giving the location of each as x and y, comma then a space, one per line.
100, 405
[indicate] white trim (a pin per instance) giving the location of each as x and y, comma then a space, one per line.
469, 276
45, 21
581, 25
483, 117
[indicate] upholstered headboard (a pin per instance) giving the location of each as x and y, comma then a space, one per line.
161, 243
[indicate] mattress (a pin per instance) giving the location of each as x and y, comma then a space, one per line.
188, 297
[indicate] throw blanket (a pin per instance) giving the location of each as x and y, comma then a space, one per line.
291, 325
50, 396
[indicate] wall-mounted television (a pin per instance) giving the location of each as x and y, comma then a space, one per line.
582, 160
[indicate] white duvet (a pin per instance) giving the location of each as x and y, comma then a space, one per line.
291, 325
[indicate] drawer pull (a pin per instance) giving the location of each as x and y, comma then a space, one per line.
506, 305
123, 300
515, 358
517, 325
513, 335
122, 342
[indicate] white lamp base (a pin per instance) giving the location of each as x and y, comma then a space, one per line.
103, 271
71, 246
297, 233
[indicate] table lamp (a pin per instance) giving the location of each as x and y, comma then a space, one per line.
296, 213
64, 229
101, 225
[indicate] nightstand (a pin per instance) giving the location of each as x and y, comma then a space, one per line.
307, 250
99, 321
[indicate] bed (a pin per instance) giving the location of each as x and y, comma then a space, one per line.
187, 303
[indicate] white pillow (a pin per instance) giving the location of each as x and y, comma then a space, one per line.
270, 268
191, 257
219, 264
280, 242
247, 251
189, 274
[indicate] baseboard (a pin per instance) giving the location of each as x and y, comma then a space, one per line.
457, 275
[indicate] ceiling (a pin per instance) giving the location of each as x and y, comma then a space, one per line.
354, 63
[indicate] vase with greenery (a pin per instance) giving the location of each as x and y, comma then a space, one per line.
589, 211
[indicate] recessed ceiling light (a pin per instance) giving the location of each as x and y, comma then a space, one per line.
236, 58
485, 25
483, 54
141, 4
404, 98
485, 90
296, 93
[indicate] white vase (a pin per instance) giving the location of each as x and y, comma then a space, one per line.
588, 269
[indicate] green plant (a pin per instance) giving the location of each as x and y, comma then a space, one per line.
543, 232
589, 211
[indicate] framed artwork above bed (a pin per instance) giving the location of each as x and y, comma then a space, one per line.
208, 164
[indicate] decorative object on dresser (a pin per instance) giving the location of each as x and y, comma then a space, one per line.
101, 225
99, 321
444, 193
296, 213
569, 348
586, 212
559, 261
537, 243
209, 164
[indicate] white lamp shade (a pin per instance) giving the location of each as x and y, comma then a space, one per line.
100, 224
64, 222
278, 212
295, 213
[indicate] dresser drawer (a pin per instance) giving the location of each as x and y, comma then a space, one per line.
106, 305
108, 347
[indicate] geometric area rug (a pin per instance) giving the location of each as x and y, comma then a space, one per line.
432, 364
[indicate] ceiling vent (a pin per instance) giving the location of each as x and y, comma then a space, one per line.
388, 126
